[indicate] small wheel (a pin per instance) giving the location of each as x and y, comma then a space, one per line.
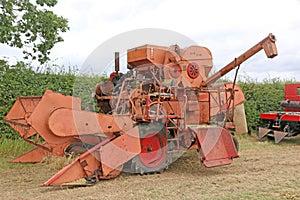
77, 148
236, 143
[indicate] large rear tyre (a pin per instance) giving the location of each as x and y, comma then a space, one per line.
154, 149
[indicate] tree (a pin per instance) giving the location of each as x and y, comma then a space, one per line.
31, 26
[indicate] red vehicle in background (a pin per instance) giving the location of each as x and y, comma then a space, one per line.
286, 123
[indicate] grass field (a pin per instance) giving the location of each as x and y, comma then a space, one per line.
264, 170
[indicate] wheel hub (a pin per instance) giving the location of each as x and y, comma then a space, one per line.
153, 150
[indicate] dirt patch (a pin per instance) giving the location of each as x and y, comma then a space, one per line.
264, 171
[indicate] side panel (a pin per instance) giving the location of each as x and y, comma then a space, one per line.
39, 118
239, 118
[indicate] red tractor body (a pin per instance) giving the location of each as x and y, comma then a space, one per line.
281, 124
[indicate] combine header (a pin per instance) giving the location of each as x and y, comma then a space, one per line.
163, 105
284, 124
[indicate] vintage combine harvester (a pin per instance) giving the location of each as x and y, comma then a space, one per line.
163, 105
283, 124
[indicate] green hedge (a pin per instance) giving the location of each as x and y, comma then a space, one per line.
21, 80
262, 97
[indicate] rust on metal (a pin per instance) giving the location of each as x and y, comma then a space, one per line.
165, 104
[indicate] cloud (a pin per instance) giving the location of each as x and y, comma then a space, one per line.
101, 59
227, 28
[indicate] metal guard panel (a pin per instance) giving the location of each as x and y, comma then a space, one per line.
216, 146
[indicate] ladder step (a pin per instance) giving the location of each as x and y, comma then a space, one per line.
172, 128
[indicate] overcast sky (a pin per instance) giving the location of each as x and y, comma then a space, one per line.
227, 28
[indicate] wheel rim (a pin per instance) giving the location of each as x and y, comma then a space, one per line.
153, 150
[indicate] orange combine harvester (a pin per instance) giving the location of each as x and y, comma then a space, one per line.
166, 103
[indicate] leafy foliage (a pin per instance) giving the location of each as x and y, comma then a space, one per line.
21, 80
261, 97
31, 27
84, 87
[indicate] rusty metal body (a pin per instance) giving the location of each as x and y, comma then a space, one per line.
283, 124
166, 103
